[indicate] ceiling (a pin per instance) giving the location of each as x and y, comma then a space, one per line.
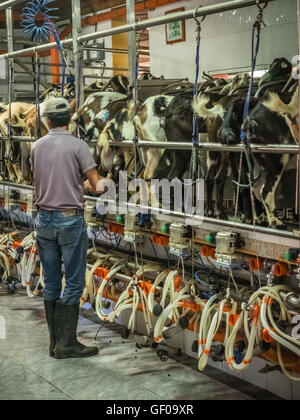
87, 7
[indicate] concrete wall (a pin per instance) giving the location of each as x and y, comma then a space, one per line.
226, 40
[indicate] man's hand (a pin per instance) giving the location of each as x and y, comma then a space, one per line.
93, 183
87, 186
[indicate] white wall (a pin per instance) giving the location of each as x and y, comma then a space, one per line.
101, 26
226, 39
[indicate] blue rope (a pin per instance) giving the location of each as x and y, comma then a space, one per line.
37, 87
135, 88
63, 79
195, 137
255, 49
79, 87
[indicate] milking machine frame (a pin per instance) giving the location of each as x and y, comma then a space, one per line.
131, 27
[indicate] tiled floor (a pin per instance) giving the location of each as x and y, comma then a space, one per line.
119, 372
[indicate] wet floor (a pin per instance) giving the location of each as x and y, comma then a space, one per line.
120, 371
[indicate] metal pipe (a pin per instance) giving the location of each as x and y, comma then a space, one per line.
30, 72
215, 147
200, 219
173, 17
86, 66
115, 50
297, 209
148, 23
10, 3
132, 50
98, 77
208, 220
78, 54
46, 86
18, 41
10, 49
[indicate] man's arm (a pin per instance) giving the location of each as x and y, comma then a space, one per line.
93, 179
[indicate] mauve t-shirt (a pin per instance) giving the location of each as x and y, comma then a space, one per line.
59, 162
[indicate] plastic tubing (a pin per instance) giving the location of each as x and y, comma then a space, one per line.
208, 308
146, 312
229, 348
132, 319
167, 313
4, 262
293, 378
29, 270
214, 326
274, 335
104, 282
167, 286
151, 298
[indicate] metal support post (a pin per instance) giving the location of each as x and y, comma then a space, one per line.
132, 50
10, 48
77, 51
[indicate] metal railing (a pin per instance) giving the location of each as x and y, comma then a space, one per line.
214, 147
144, 24
226, 224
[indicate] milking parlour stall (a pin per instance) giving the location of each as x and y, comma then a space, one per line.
178, 121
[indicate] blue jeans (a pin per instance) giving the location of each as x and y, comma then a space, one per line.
62, 239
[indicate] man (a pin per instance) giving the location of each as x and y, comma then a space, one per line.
60, 162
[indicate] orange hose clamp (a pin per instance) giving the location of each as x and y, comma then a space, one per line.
113, 228
146, 287
16, 245
160, 240
190, 305
177, 282
255, 310
101, 272
266, 336
280, 269
256, 264
227, 307
205, 251
232, 319
164, 241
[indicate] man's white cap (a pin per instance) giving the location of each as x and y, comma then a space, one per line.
55, 106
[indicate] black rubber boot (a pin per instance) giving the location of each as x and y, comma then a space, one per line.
65, 327
50, 311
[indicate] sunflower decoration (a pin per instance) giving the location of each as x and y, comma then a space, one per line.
37, 21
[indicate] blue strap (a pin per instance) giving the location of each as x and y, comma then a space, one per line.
63, 79
135, 88
255, 49
195, 137
38, 115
